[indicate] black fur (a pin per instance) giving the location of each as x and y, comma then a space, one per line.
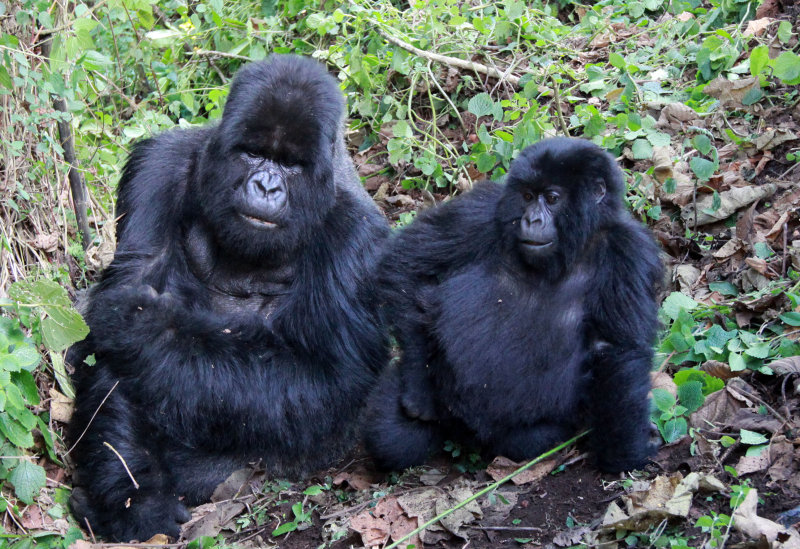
228, 341
513, 348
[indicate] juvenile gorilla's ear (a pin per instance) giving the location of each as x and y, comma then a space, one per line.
599, 190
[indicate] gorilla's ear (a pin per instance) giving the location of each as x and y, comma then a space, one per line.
599, 190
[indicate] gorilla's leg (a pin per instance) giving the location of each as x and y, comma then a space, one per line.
395, 440
120, 488
196, 474
528, 441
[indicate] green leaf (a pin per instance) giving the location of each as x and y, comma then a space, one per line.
784, 32
674, 429
663, 399
787, 68
702, 143
727, 441
702, 168
752, 96
759, 58
691, 395
14, 432
736, 362
481, 105
285, 528
759, 351
313, 491
755, 451
27, 479
675, 302
62, 328
751, 437
616, 60
5, 78
642, 149
724, 288
791, 318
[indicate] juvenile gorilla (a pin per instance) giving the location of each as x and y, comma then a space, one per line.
235, 322
524, 311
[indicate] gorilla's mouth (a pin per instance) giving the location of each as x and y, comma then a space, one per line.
259, 222
533, 245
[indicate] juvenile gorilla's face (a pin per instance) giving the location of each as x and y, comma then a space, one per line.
266, 177
555, 197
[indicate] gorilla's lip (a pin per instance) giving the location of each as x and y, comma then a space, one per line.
259, 222
535, 245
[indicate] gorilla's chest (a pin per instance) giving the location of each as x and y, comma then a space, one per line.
495, 330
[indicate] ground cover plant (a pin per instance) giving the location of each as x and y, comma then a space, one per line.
698, 101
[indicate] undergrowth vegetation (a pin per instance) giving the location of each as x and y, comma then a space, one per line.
697, 98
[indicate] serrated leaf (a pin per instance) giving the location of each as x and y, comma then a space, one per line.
481, 105
787, 68
663, 399
14, 432
675, 302
751, 437
702, 168
642, 149
674, 429
27, 479
26, 356
62, 328
759, 351
691, 396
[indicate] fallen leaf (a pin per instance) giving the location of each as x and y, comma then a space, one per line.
501, 467
747, 521
421, 504
730, 201
209, 519
455, 521
730, 92
61, 406
756, 27
785, 366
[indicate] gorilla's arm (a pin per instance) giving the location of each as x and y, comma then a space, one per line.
622, 329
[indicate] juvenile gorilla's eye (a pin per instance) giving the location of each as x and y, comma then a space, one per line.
552, 198
528, 197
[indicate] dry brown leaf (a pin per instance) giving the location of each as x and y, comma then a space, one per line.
431, 477
662, 380
359, 479
421, 504
61, 406
773, 137
662, 163
758, 264
752, 464
386, 520
209, 519
81, 544
747, 521
731, 247
718, 409
158, 539
46, 242
455, 521
731, 200
719, 369
675, 115
785, 366
501, 467
730, 92
756, 27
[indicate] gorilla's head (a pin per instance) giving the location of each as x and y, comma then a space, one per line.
265, 180
558, 193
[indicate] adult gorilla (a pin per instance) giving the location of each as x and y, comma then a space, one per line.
524, 311
234, 323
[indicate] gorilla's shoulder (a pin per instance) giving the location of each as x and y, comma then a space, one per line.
473, 208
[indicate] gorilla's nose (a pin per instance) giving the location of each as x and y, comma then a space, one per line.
266, 193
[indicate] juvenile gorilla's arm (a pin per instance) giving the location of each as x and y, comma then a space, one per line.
624, 323
436, 244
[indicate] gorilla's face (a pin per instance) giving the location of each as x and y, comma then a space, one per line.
554, 200
265, 179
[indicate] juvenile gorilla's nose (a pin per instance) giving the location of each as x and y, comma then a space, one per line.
266, 193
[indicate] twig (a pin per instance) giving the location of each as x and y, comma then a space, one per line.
557, 101
452, 61
67, 141
508, 528
124, 464
212, 53
91, 419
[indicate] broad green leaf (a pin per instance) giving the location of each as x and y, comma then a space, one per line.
663, 399
702, 143
702, 168
759, 58
787, 68
784, 32
676, 301
642, 149
14, 432
751, 437
481, 105
284, 528
27, 479
755, 451
759, 351
691, 395
62, 328
791, 318
616, 60
674, 429
313, 491
736, 362
724, 288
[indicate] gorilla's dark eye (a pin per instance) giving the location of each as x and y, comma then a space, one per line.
551, 198
528, 197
